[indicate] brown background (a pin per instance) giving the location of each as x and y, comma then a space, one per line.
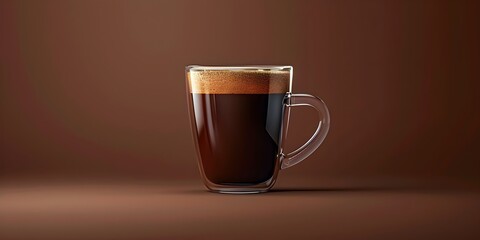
95, 89
95, 140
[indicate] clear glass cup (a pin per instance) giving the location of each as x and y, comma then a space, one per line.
239, 117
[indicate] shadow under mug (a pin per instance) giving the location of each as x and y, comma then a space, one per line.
239, 117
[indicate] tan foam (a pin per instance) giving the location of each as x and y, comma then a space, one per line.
238, 82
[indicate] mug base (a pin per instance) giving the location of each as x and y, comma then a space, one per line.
241, 188
239, 192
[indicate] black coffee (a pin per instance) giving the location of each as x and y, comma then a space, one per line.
237, 118
238, 136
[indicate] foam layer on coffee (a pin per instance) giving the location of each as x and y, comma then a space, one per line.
239, 82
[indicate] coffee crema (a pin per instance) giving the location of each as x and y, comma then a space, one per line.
239, 82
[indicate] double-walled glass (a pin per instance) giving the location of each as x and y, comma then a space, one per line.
239, 117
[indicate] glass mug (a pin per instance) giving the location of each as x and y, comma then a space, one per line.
239, 117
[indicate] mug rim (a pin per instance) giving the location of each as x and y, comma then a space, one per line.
196, 68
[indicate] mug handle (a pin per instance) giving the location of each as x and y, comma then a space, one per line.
296, 100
